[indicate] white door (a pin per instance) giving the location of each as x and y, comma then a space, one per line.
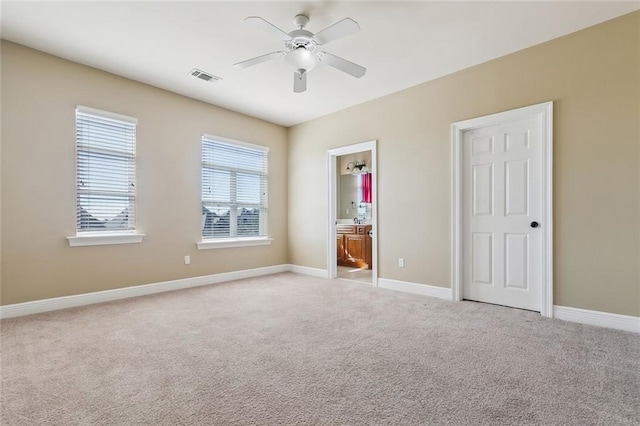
503, 212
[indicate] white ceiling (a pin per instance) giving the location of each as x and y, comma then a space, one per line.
401, 44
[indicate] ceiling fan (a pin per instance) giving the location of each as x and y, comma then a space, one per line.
302, 48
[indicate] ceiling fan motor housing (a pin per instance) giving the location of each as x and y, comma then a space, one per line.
301, 39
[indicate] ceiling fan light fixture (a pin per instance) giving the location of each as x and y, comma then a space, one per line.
301, 58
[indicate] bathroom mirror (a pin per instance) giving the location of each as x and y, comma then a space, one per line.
350, 203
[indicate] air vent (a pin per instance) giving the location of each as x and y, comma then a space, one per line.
204, 75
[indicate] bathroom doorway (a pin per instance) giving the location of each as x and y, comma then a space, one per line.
352, 237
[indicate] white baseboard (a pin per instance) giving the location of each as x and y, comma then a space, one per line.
54, 304
409, 287
601, 319
583, 316
305, 270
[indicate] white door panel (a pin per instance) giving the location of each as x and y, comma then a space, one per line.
482, 182
516, 262
502, 196
481, 258
516, 187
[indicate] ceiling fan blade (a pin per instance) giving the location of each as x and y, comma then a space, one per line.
299, 81
259, 60
340, 29
268, 26
342, 64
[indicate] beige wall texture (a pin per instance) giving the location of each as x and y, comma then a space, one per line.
593, 77
39, 96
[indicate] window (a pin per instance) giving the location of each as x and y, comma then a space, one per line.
105, 177
234, 193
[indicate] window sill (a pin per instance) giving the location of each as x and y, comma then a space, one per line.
104, 239
233, 242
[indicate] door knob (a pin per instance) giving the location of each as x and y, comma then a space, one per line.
370, 233
534, 224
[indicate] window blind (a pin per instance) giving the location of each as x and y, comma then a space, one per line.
234, 189
105, 171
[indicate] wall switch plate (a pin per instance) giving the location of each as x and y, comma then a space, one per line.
401, 262
187, 260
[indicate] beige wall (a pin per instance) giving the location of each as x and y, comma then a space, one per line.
593, 77
39, 95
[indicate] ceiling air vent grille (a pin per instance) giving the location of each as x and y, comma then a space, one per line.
204, 75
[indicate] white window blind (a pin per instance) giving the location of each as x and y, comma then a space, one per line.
105, 171
234, 189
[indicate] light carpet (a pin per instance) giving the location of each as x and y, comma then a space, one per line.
293, 349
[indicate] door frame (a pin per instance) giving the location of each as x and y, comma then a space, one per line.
545, 111
332, 170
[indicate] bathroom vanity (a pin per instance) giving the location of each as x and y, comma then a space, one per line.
354, 245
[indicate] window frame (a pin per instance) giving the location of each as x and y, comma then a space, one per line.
236, 240
107, 237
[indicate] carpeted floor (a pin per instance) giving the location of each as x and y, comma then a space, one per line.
293, 349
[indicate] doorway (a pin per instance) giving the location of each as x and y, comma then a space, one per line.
502, 221
352, 234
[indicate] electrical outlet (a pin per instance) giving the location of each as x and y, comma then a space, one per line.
187, 260
401, 262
